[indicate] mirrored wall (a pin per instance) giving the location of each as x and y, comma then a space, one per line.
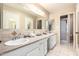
14, 16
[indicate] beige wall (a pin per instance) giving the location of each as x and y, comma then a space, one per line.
56, 17
77, 7
77, 26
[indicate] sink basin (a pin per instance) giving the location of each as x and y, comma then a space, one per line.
20, 41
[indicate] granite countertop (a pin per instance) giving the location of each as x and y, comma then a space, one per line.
5, 49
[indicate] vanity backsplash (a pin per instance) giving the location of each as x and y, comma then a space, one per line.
7, 34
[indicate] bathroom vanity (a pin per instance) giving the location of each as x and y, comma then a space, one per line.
37, 46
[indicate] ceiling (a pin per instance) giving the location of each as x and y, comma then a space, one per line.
54, 7
50, 7
22, 7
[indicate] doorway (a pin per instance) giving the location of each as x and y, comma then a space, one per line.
39, 24
63, 29
66, 29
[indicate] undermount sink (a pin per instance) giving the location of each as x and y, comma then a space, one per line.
20, 41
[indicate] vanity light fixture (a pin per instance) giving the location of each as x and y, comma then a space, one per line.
35, 9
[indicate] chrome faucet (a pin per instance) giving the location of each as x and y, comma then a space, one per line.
16, 37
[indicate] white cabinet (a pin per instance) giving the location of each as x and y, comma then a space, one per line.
52, 41
38, 48
45, 46
41, 50
23, 50
35, 52
17, 52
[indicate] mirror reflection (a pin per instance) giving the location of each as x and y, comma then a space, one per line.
21, 16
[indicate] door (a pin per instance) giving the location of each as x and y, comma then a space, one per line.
77, 33
63, 30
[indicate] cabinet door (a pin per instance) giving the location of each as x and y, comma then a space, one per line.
22, 51
45, 46
52, 41
17, 52
35, 52
41, 48
39, 51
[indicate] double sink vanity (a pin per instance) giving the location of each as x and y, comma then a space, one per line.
29, 46
15, 19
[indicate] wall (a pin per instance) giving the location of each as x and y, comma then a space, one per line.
77, 26
77, 7
56, 16
1, 9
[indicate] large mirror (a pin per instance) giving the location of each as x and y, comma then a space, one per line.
19, 16
10, 20
42, 24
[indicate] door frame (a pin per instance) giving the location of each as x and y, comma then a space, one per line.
68, 28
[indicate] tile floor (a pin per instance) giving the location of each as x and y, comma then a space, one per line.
62, 50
